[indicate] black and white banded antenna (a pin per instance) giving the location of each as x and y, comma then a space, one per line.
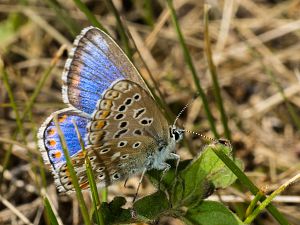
220, 140
184, 108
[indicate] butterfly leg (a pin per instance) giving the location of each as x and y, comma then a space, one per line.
177, 158
164, 167
140, 182
125, 183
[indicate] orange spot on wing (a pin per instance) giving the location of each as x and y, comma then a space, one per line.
104, 114
57, 154
51, 131
52, 143
100, 124
80, 155
106, 104
62, 118
75, 82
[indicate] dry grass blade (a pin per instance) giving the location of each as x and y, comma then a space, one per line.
255, 47
15, 211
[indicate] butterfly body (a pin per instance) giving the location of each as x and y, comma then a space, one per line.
124, 130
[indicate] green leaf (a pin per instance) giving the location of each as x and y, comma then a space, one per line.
201, 176
113, 212
211, 213
191, 186
217, 172
225, 178
166, 181
151, 206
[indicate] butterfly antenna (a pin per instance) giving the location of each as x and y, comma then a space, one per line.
183, 109
201, 135
222, 141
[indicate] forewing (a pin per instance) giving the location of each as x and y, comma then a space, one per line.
126, 110
93, 64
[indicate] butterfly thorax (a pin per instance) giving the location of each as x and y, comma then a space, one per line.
165, 149
159, 157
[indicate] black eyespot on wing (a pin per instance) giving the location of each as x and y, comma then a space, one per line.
137, 97
144, 121
128, 101
137, 132
122, 108
119, 133
119, 116
122, 143
116, 176
124, 156
139, 112
123, 124
136, 144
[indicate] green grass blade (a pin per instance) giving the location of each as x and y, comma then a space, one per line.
214, 74
90, 16
191, 66
121, 28
159, 99
104, 194
50, 213
13, 104
64, 17
148, 11
248, 183
75, 183
41, 83
268, 200
254, 202
91, 179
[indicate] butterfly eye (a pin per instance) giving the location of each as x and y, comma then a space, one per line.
161, 148
176, 134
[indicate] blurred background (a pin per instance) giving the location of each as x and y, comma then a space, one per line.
255, 47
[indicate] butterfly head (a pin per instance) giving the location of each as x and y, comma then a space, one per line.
176, 133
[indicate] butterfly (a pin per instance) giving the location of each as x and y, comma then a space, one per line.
124, 131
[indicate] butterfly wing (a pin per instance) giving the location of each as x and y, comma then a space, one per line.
124, 134
126, 109
113, 102
49, 141
94, 63
109, 162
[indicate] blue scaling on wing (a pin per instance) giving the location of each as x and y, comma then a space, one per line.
49, 141
94, 64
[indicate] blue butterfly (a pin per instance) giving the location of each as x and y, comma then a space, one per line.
124, 131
